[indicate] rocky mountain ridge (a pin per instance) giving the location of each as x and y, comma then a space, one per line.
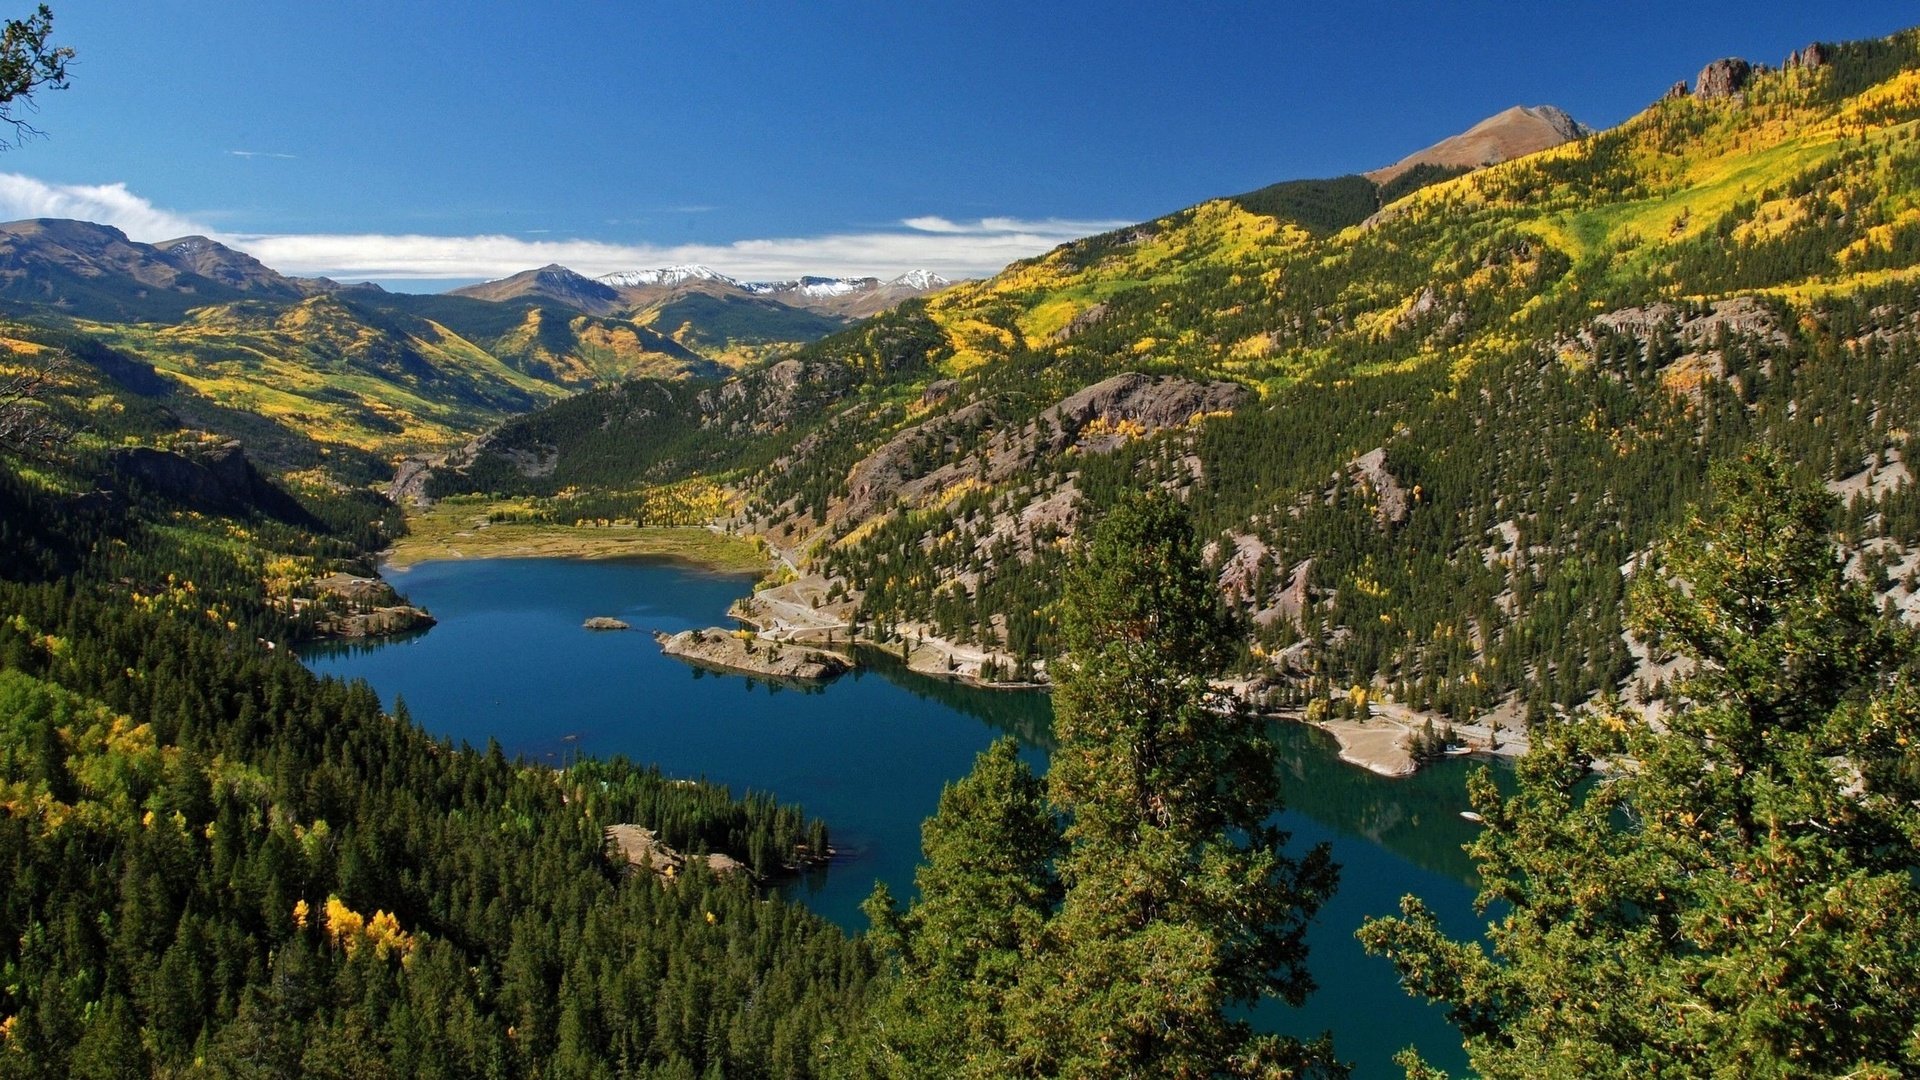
96, 271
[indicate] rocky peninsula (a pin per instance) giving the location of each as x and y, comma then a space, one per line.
747, 652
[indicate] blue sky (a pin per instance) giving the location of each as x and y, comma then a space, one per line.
423, 143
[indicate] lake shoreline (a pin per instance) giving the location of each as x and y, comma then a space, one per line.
802, 613
454, 531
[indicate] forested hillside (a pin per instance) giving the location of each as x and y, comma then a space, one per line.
1426, 439
216, 863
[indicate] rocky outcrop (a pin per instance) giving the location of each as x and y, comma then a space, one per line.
1742, 315
1698, 331
641, 848
604, 622
773, 397
1293, 597
1722, 79
1393, 504
747, 653
357, 607
916, 461
1675, 92
1240, 571
380, 622
1103, 415
410, 479
213, 479
1813, 56
928, 458
1082, 322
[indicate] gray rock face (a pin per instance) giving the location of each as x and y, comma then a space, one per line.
1370, 475
410, 479
1560, 121
925, 459
1741, 315
1087, 319
1815, 55
1133, 398
1722, 79
1675, 92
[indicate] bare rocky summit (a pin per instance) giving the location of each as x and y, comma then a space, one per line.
1517, 132
551, 282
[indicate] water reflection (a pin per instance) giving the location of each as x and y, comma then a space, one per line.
1415, 817
1027, 715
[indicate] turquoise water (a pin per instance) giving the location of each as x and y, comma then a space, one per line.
869, 753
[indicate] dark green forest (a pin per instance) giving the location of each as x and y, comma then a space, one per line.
201, 837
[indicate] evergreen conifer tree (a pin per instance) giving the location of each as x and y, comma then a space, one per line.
1173, 903
987, 886
1178, 902
1734, 894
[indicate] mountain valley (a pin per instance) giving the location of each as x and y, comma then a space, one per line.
1427, 439
1583, 453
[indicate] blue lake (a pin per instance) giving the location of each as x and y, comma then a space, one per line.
510, 661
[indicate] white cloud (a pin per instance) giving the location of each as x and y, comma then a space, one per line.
261, 153
953, 249
108, 204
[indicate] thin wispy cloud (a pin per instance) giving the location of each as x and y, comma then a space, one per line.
997, 225
950, 248
262, 154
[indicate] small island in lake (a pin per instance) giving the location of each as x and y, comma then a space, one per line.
604, 622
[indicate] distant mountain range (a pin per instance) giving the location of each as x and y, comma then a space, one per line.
718, 316
639, 289
291, 364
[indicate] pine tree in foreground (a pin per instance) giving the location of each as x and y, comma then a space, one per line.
1175, 903
1734, 893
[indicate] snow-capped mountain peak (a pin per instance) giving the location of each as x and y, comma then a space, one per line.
920, 281
668, 275
821, 286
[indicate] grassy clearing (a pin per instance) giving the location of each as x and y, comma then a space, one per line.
458, 530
